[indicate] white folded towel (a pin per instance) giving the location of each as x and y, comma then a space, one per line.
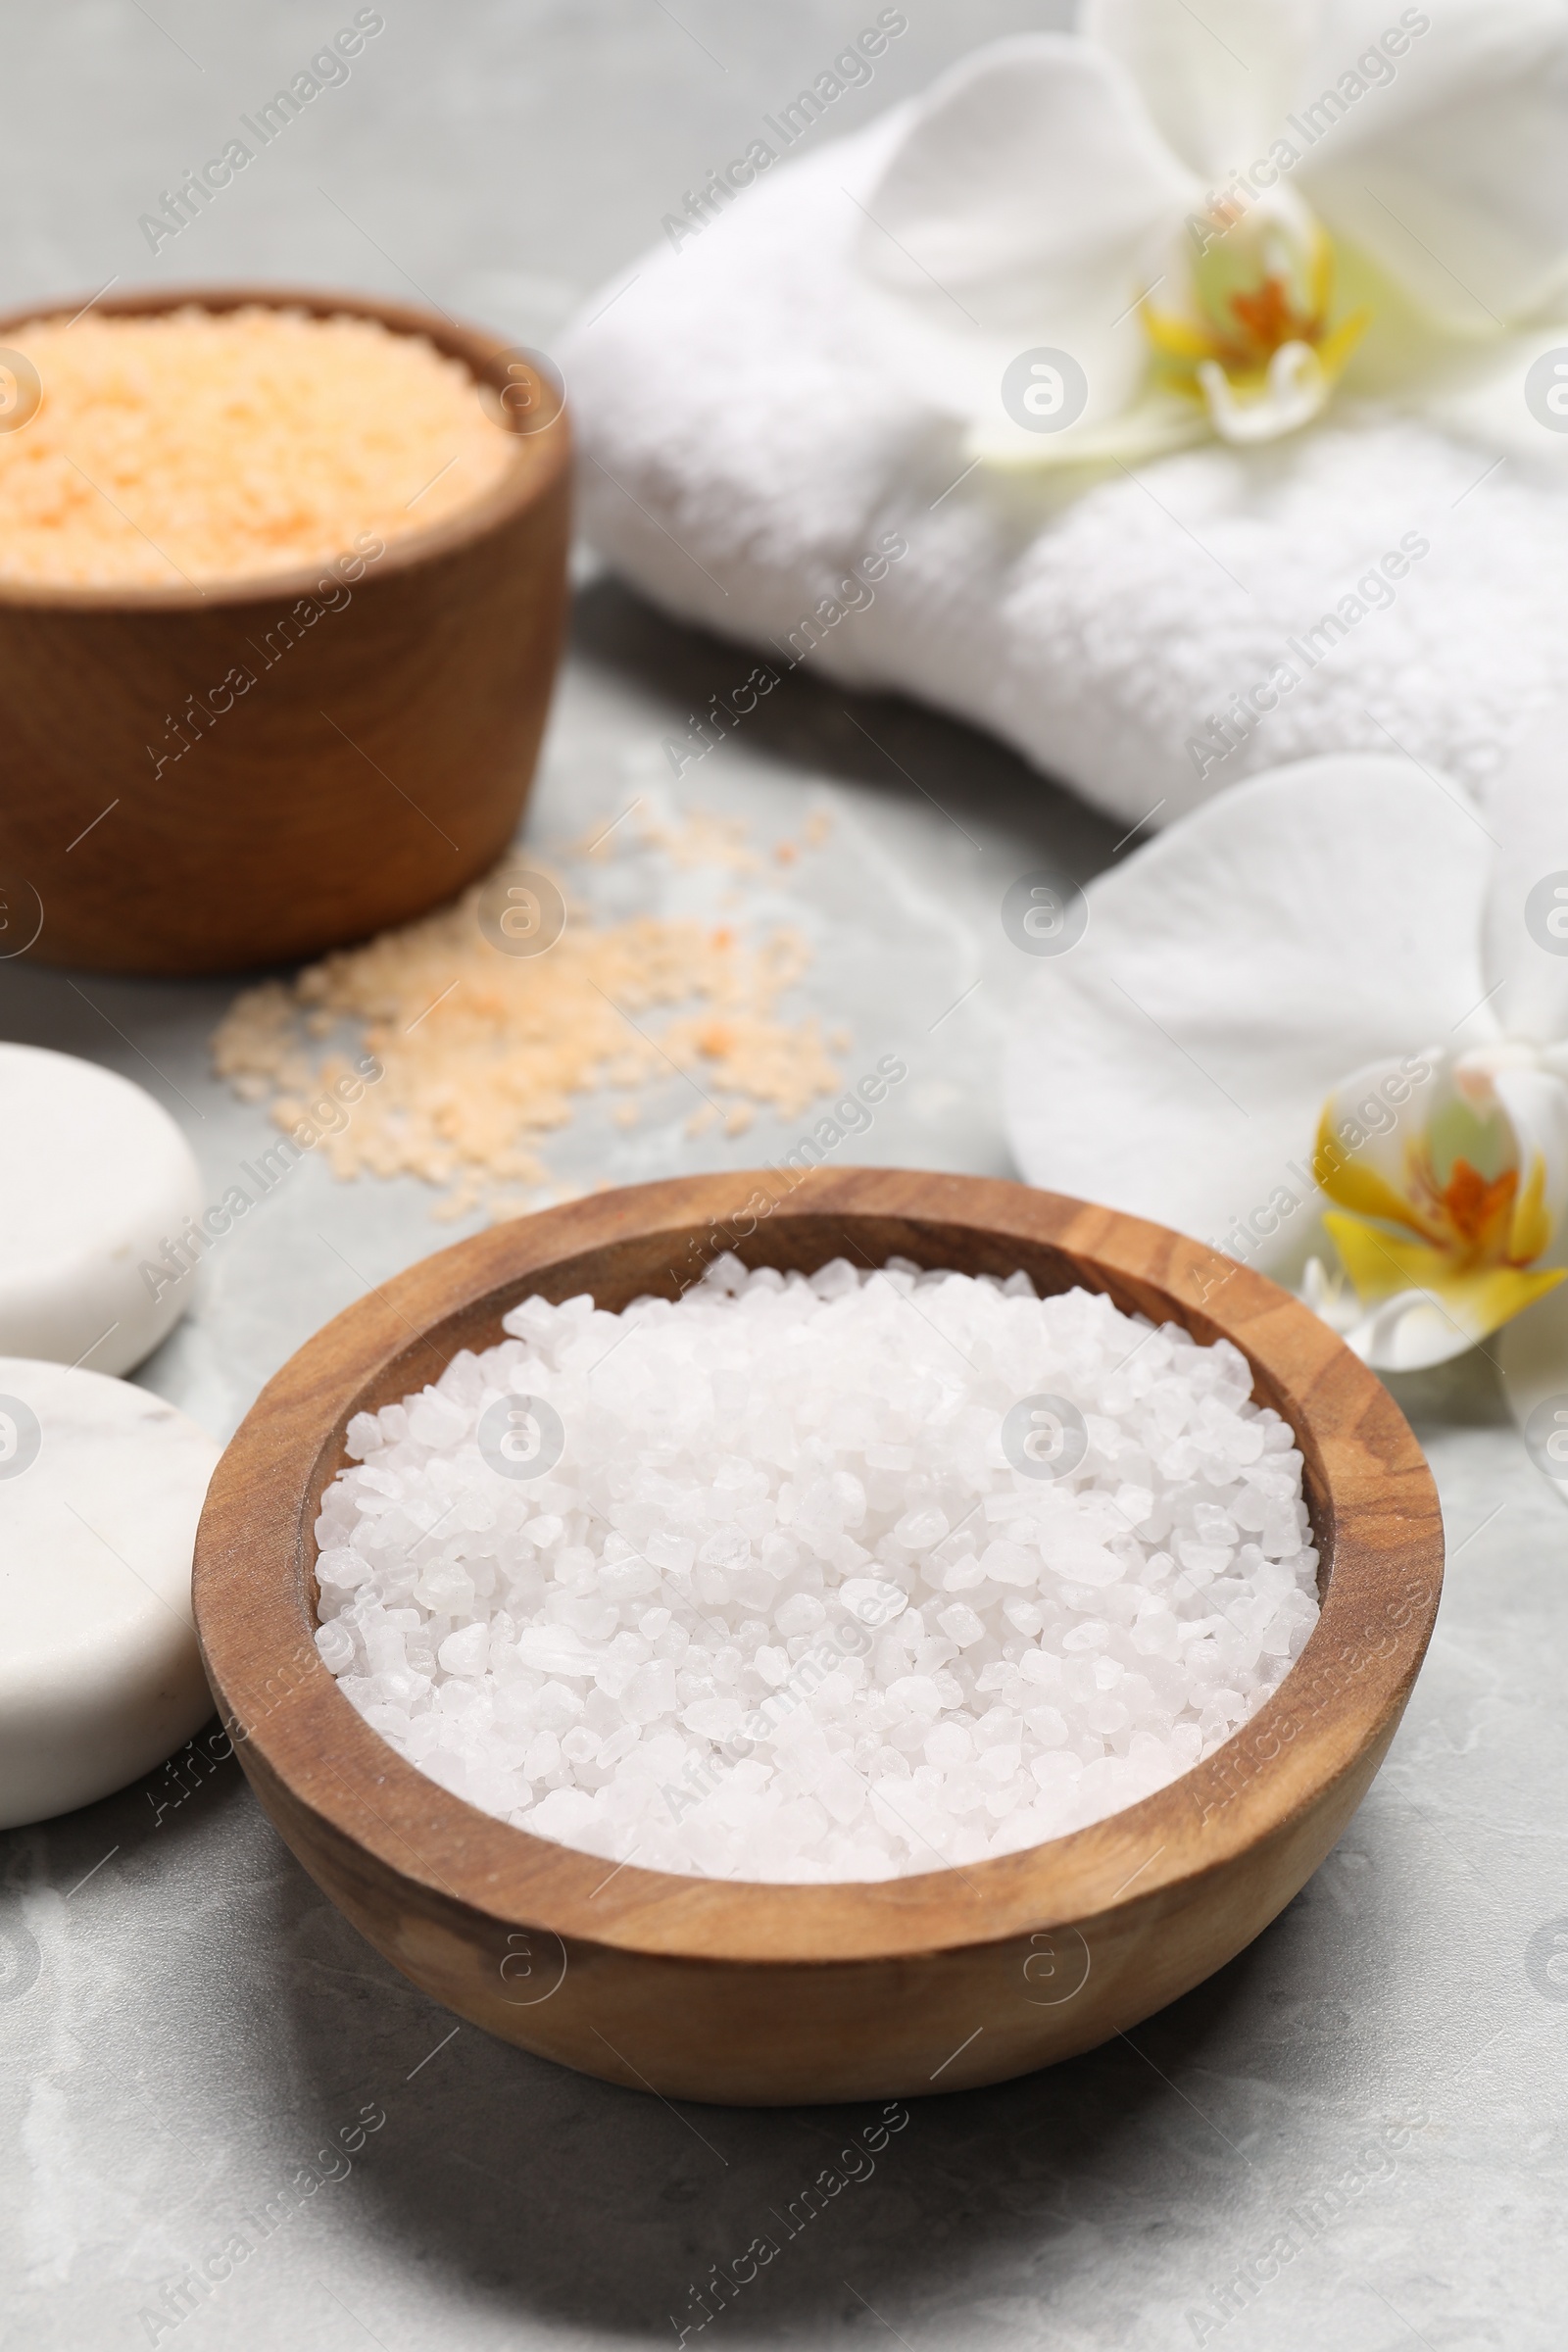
756, 450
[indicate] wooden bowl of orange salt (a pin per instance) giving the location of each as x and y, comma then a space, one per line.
282, 586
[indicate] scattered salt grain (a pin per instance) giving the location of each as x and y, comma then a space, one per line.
756, 1584
484, 1055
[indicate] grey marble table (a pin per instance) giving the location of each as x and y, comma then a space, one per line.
1355, 2131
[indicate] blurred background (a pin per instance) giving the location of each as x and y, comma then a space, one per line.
502, 160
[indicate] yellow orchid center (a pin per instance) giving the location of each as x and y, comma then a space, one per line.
1255, 339
1474, 1211
1447, 1197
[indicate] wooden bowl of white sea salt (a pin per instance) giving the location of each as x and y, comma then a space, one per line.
768, 1644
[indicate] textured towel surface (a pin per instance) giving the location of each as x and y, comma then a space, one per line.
748, 441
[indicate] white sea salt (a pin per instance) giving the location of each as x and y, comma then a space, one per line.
818, 1579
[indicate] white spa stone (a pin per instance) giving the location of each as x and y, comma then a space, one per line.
101, 1486
95, 1177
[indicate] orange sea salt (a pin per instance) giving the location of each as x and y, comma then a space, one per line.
486, 1053
211, 446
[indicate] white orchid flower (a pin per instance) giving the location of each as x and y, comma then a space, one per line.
1186, 222
1322, 1025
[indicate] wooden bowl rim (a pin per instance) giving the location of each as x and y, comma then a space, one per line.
537, 464
252, 1590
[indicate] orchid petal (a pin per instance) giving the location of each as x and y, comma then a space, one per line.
1025, 206
1157, 424
1330, 1296
1415, 1329
1383, 1266
1295, 391
1173, 1064
1217, 79
1533, 1354
1525, 952
1449, 167
1474, 1303
1535, 1103
1476, 392
1369, 1133
1029, 165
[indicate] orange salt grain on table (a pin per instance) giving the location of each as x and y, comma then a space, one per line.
484, 1054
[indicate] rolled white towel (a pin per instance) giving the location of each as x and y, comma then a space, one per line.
759, 455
